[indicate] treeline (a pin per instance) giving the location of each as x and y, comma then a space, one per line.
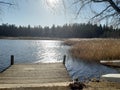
65, 31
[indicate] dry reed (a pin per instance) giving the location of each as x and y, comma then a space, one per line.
95, 49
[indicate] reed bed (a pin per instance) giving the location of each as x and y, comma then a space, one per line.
95, 49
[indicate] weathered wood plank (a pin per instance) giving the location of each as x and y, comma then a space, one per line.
112, 63
34, 74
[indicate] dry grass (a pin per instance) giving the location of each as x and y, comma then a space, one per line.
95, 49
103, 86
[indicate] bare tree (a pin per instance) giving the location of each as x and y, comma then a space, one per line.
108, 10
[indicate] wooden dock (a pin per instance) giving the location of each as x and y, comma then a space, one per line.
43, 76
112, 63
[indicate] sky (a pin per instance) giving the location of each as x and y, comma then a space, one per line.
36, 12
39, 12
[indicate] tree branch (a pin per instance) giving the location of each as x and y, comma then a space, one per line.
101, 12
99, 0
2, 2
114, 5
111, 9
82, 7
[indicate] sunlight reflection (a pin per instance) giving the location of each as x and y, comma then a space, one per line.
48, 51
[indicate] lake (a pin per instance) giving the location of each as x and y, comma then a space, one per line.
48, 51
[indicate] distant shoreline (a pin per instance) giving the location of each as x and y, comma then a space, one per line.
54, 38
31, 38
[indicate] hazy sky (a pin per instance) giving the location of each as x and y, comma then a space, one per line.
37, 12
40, 12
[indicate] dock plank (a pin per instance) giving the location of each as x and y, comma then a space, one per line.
43, 73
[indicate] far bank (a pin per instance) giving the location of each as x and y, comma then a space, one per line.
31, 38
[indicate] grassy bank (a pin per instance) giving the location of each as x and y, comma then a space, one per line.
95, 49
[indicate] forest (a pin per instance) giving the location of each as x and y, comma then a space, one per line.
66, 31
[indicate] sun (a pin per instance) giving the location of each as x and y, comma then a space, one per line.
52, 3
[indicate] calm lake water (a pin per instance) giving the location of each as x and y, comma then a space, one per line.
48, 51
